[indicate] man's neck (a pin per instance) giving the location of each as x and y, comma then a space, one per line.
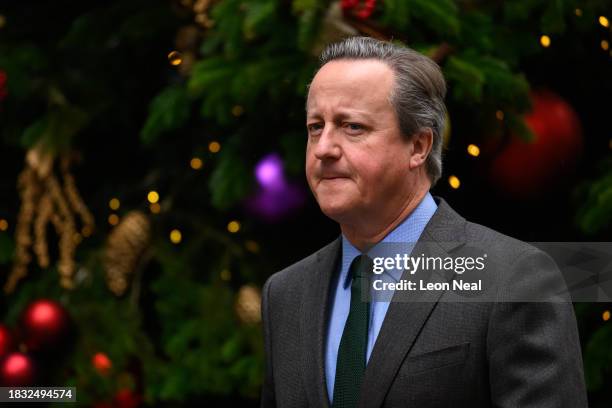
365, 235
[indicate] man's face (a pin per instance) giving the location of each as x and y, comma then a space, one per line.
356, 159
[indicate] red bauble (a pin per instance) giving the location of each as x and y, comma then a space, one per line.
6, 341
101, 363
17, 370
127, 398
3, 91
524, 169
363, 11
44, 324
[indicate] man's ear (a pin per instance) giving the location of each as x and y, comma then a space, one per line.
422, 141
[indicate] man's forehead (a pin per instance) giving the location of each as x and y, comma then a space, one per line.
346, 103
354, 84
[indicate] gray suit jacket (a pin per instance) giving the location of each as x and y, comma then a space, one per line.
432, 353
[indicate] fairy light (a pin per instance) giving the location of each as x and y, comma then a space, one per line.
3, 224
252, 246
155, 208
114, 204
545, 41
605, 45
578, 12
196, 163
113, 219
499, 115
603, 20
175, 58
605, 315
473, 150
214, 147
153, 197
454, 182
175, 236
237, 110
233, 226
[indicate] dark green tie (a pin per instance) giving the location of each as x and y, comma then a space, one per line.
351, 362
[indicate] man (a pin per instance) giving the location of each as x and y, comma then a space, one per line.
375, 117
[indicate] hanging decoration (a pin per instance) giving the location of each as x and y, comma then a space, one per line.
46, 200
248, 304
526, 168
44, 325
3, 90
6, 341
17, 370
101, 363
126, 250
276, 196
361, 9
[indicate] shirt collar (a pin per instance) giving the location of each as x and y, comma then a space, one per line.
407, 232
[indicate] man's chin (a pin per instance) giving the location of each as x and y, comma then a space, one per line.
337, 211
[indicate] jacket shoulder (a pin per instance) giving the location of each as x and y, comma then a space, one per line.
295, 272
504, 247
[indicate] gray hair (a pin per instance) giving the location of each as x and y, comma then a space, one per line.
418, 95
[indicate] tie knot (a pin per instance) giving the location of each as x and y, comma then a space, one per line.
361, 266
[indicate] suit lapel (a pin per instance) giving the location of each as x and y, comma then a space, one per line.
314, 311
404, 319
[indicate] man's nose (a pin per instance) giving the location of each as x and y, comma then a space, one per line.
327, 145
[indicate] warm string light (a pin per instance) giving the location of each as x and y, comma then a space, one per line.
153, 197
233, 226
175, 236
175, 58
578, 12
3, 224
155, 208
603, 20
2, 21
473, 150
252, 246
454, 182
605, 45
605, 315
196, 163
545, 41
499, 115
214, 147
237, 110
114, 204
113, 219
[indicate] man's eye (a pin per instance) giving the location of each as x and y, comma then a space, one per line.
354, 127
315, 127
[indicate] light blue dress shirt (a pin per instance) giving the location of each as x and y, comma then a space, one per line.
408, 232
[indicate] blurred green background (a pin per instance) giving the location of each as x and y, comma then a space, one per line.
152, 177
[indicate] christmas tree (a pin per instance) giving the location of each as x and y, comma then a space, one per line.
152, 157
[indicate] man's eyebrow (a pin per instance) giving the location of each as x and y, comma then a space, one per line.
340, 115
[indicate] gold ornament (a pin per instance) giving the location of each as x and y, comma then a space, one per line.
44, 200
126, 250
248, 304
